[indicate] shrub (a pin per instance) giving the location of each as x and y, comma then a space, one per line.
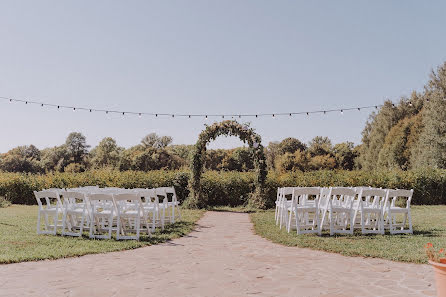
228, 188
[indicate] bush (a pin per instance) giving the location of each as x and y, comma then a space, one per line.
228, 188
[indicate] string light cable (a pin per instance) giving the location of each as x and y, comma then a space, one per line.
182, 115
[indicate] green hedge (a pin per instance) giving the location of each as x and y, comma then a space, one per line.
228, 188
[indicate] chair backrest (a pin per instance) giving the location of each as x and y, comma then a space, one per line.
127, 202
394, 195
372, 197
304, 196
101, 201
51, 199
161, 192
148, 196
342, 196
171, 191
73, 197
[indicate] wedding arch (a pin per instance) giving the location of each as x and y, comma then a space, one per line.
246, 134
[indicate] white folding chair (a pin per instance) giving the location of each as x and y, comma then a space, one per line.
285, 205
150, 206
102, 214
338, 205
75, 214
394, 198
50, 207
370, 207
162, 205
305, 210
129, 211
173, 206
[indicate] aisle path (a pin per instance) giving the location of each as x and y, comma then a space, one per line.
221, 258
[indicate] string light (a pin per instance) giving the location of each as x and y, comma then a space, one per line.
206, 116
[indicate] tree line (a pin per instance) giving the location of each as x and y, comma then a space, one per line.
157, 152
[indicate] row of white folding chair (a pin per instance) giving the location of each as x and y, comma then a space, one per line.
372, 211
78, 211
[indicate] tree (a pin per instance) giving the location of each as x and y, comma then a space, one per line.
272, 152
344, 155
21, 159
399, 142
106, 154
298, 160
320, 146
155, 141
55, 158
431, 146
77, 148
290, 145
322, 162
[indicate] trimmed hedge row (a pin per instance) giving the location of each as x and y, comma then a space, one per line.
228, 188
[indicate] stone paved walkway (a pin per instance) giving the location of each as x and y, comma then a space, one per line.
221, 258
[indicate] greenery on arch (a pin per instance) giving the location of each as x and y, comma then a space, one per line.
247, 135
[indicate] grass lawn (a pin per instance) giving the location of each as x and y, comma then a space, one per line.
19, 241
429, 223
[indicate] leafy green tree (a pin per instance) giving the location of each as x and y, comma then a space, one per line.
399, 142
272, 151
152, 140
77, 148
21, 159
345, 155
55, 158
319, 162
320, 146
106, 154
431, 146
290, 145
298, 160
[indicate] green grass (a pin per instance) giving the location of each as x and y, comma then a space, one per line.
429, 223
19, 241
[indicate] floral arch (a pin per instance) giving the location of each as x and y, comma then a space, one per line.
247, 135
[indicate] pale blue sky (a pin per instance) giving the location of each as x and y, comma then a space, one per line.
209, 57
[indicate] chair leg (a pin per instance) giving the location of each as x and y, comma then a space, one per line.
38, 222
64, 225
409, 216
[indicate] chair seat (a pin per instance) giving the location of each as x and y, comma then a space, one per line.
130, 213
398, 209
